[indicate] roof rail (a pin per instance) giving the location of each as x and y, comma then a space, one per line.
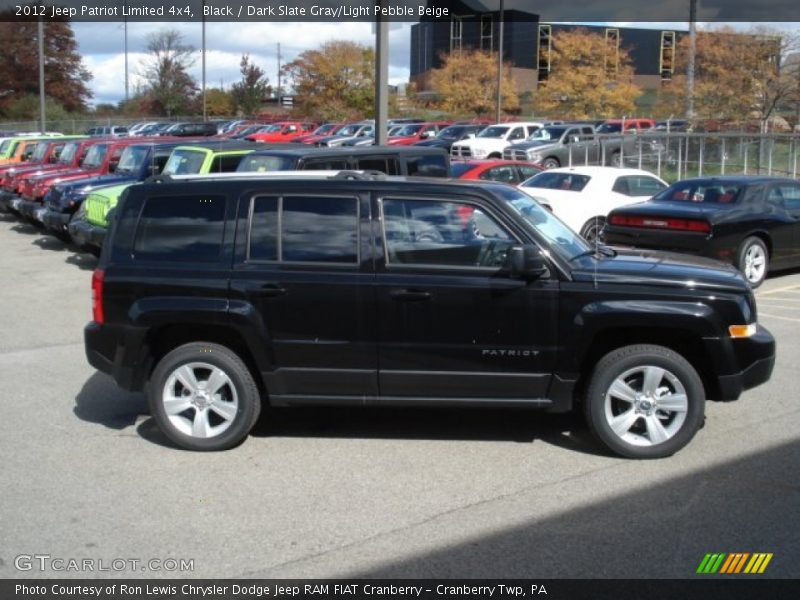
370, 175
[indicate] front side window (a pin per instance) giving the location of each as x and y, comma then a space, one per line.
68, 153
505, 174
264, 163
181, 228
442, 233
428, 166
568, 182
185, 162
495, 131
304, 229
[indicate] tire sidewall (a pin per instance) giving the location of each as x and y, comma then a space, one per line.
596, 224
612, 366
550, 163
234, 368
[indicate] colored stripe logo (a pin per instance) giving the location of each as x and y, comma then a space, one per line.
734, 563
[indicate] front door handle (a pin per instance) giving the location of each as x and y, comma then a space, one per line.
271, 290
410, 295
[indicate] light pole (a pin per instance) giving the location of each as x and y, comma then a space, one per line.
690, 65
41, 75
203, 54
500, 64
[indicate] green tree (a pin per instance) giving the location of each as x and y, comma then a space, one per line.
589, 78
476, 93
219, 103
250, 92
65, 76
165, 72
335, 82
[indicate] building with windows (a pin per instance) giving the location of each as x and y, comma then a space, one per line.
527, 44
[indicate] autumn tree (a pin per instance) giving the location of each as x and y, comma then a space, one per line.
219, 103
589, 78
334, 82
250, 92
165, 71
738, 76
66, 78
467, 84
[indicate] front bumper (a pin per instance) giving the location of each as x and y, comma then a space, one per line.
754, 357
28, 208
5, 200
84, 233
55, 220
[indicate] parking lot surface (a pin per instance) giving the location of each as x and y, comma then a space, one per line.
373, 493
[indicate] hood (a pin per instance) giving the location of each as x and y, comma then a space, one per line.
100, 180
650, 267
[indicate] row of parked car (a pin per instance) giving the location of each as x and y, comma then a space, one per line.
69, 185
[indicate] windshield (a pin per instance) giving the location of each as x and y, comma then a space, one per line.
609, 128
705, 192
565, 181
94, 158
547, 133
67, 154
40, 151
132, 159
563, 241
451, 133
184, 162
262, 163
496, 131
5, 146
349, 130
409, 130
325, 129
272, 129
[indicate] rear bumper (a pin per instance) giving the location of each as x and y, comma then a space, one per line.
109, 349
86, 234
5, 200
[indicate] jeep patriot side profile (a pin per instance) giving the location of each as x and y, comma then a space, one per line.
220, 294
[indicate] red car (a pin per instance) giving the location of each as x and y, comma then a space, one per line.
284, 131
319, 133
70, 159
415, 132
45, 153
504, 171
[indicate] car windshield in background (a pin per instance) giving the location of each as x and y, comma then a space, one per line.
68, 153
39, 152
565, 242
131, 159
570, 182
350, 130
94, 158
457, 169
324, 129
707, 192
184, 162
264, 163
451, 133
493, 132
409, 130
609, 128
547, 133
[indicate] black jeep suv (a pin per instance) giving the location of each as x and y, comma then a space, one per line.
219, 294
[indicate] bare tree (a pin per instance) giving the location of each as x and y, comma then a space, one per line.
165, 71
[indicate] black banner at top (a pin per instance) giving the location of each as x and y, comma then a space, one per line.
583, 11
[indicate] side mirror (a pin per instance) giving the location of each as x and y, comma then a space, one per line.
526, 262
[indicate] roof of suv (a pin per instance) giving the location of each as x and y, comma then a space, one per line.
299, 150
223, 145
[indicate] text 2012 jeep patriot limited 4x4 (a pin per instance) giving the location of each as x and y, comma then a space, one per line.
223, 293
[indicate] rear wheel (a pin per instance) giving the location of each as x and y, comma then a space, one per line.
592, 228
203, 397
752, 260
644, 401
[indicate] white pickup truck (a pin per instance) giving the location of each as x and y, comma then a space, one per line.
491, 142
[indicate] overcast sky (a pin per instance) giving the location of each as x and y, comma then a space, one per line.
102, 47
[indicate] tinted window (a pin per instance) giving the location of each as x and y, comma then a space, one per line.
637, 185
390, 166
505, 174
428, 232
317, 229
527, 172
517, 133
325, 164
225, 164
264, 229
709, 192
786, 195
261, 163
428, 166
180, 228
571, 182
184, 162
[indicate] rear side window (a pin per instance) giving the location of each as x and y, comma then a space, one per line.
386, 165
304, 229
571, 182
325, 164
428, 166
180, 228
263, 163
226, 163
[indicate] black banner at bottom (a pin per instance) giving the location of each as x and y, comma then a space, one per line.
702, 588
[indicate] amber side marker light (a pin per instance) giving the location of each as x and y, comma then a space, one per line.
742, 331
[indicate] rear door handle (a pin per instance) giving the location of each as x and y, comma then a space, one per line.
410, 295
270, 290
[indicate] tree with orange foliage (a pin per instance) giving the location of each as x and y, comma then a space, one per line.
588, 78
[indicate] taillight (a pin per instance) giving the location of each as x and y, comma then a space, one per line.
97, 296
694, 225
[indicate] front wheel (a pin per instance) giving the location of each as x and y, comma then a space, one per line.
752, 260
551, 163
203, 397
644, 401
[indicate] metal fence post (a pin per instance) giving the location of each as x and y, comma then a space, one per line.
700, 157
722, 157
680, 158
746, 153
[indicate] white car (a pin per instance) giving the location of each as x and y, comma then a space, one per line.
583, 196
492, 140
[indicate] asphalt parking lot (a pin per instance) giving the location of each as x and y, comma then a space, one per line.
372, 493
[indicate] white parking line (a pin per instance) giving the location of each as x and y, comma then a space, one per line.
770, 305
761, 313
778, 290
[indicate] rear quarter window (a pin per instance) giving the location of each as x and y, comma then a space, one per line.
428, 166
180, 228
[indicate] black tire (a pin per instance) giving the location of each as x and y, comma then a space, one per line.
551, 163
592, 228
616, 159
750, 251
241, 400
495, 155
679, 380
